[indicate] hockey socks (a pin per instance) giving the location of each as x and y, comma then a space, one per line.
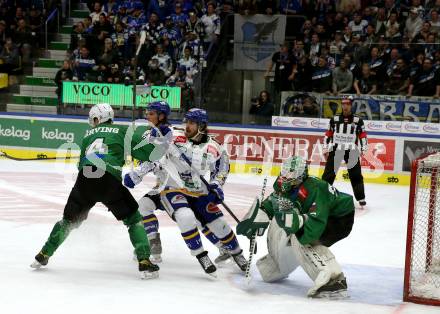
57, 236
138, 236
230, 242
211, 237
151, 225
193, 241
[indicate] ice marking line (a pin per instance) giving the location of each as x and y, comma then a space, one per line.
19, 190
51, 199
399, 309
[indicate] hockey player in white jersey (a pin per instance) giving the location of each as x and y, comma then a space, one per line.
188, 197
151, 201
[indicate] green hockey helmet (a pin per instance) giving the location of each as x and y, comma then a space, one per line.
294, 171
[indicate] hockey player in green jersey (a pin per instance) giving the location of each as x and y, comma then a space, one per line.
103, 152
305, 216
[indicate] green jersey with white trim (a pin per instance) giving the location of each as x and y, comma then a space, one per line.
315, 199
107, 145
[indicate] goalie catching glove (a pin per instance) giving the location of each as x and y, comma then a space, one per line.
255, 222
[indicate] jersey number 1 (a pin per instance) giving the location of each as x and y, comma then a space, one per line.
97, 147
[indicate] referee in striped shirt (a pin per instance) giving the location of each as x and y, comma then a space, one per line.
346, 139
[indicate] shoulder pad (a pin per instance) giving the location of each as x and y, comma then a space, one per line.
214, 141
211, 149
180, 139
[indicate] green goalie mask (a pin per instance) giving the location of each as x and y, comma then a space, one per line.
293, 172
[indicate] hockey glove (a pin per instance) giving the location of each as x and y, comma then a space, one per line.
131, 180
164, 129
289, 220
254, 223
216, 194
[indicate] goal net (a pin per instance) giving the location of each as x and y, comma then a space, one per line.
422, 265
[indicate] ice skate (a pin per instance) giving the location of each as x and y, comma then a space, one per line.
156, 248
240, 260
223, 257
362, 204
40, 260
148, 269
335, 289
207, 264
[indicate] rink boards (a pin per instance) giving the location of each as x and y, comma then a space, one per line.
251, 149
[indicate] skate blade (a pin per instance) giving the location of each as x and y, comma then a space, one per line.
332, 295
223, 261
155, 259
213, 274
145, 275
36, 265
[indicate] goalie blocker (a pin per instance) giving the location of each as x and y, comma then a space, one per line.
305, 216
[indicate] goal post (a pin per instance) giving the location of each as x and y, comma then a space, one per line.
422, 261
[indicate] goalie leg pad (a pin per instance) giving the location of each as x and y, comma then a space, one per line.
318, 262
269, 269
281, 260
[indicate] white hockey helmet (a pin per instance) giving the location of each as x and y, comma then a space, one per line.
103, 112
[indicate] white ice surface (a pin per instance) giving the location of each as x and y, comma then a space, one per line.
93, 271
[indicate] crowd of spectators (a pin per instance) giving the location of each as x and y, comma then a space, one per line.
21, 31
178, 36
364, 47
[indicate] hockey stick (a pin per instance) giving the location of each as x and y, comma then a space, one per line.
185, 158
253, 241
39, 157
188, 162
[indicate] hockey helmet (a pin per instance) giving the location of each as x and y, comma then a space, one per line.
197, 115
102, 112
294, 171
160, 107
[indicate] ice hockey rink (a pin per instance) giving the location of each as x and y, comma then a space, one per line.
93, 271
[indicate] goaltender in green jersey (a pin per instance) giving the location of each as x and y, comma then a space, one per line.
305, 216
103, 153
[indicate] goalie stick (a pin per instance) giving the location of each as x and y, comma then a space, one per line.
253, 241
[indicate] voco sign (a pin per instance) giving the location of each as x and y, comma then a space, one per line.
161, 93
96, 90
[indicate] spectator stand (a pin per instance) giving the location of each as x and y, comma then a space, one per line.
369, 107
98, 64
